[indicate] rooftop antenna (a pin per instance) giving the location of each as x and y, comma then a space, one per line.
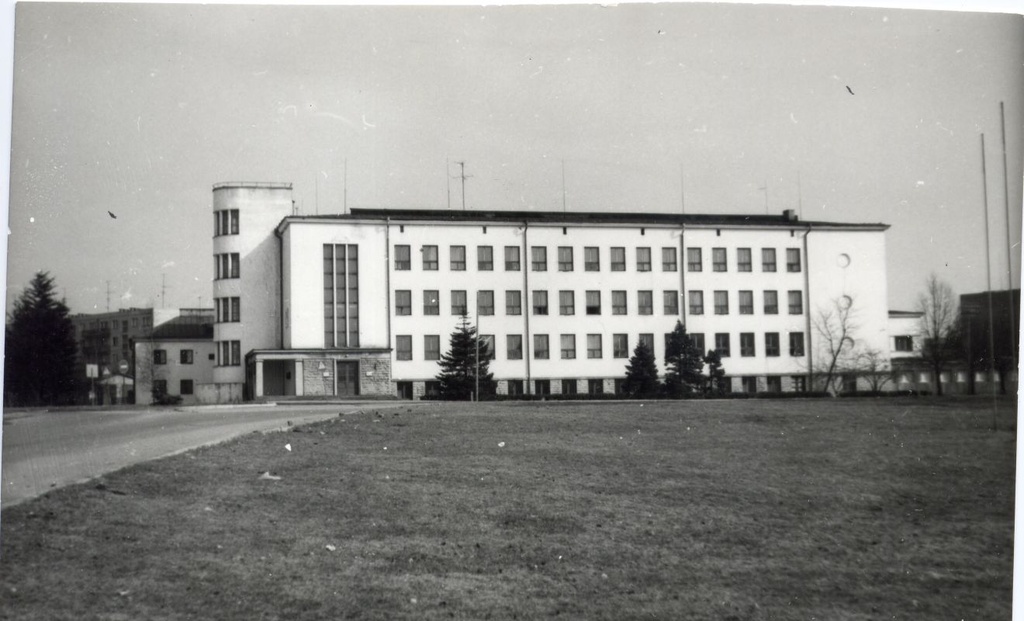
316, 193
563, 185
344, 205
108, 296
682, 189
462, 175
163, 290
1009, 255
799, 196
448, 178
765, 188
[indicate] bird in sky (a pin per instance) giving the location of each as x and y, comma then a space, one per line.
111, 214
849, 89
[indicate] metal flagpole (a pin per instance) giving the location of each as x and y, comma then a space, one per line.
1009, 256
988, 271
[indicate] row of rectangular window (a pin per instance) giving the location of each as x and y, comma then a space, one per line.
227, 310
225, 222
185, 356
226, 265
595, 347
592, 302
185, 387
596, 386
592, 259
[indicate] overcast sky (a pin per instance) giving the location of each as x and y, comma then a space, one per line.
850, 115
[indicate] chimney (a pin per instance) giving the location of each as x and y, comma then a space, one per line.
789, 215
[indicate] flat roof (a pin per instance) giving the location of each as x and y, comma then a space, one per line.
577, 217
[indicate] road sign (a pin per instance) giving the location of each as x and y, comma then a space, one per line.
92, 370
123, 367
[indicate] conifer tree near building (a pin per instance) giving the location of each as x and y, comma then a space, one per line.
460, 366
684, 364
642, 374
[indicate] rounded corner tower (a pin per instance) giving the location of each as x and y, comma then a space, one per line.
246, 277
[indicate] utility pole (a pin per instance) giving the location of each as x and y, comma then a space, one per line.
1009, 255
108, 296
988, 272
463, 176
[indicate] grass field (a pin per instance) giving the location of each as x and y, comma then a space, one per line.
832, 509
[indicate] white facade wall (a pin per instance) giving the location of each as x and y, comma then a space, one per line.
303, 282
261, 207
758, 281
200, 371
851, 263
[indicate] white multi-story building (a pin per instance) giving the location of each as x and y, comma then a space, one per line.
364, 303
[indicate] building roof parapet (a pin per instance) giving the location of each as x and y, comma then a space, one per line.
784, 221
266, 185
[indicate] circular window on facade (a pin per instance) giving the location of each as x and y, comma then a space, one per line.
843, 260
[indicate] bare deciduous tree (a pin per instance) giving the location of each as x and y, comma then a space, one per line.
939, 333
835, 327
873, 366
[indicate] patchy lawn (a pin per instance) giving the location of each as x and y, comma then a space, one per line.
832, 509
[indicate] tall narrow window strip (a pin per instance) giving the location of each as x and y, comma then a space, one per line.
236, 310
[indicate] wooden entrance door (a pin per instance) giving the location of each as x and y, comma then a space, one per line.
348, 379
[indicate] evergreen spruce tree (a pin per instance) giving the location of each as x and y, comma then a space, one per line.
39, 363
684, 364
641, 374
716, 374
459, 365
